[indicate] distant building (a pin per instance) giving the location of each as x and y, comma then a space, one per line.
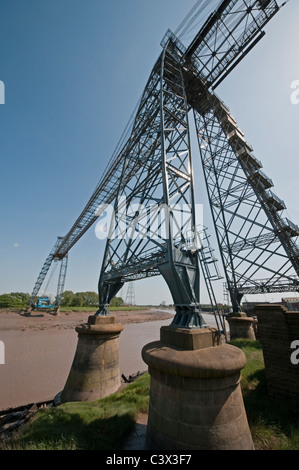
291, 303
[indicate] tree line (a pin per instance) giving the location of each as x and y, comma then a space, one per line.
85, 299
68, 299
14, 300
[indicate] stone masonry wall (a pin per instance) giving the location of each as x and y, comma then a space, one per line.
277, 329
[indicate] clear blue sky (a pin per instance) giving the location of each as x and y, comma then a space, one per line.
73, 72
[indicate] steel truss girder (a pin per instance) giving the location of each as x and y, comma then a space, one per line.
44, 271
61, 279
213, 49
252, 234
227, 36
262, 286
142, 241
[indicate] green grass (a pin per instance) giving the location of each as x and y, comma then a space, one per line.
104, 424
100, 425
274, 422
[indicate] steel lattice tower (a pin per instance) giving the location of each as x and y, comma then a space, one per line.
256, 243
130, 297
149, 180
156, 177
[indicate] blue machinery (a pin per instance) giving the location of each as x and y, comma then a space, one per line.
44, 303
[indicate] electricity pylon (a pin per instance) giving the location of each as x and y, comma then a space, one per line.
130, 297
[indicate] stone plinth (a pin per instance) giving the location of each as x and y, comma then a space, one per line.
95, 370
195, 396
279, 332
241, 326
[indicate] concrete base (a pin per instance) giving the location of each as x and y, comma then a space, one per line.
95, 370
241, 326
195, 396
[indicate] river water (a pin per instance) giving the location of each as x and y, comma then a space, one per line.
37, 363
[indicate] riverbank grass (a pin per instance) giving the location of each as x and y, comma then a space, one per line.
274, 422
100, 425
106, 423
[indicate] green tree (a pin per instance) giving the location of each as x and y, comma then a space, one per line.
5, 301
20, 299
67, 298
90, 299
85, 299
78, 300
116, 302
14, 300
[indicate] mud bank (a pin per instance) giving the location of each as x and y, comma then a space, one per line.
39, 350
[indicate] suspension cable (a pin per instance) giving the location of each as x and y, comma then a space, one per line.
50, 278
196, 11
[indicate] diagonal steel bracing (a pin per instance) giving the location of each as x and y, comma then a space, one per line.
255, 240
155, 209
149, 179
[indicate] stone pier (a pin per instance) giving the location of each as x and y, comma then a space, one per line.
195, 396
95, 370
241, 326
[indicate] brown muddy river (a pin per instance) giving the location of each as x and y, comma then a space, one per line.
37, 363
